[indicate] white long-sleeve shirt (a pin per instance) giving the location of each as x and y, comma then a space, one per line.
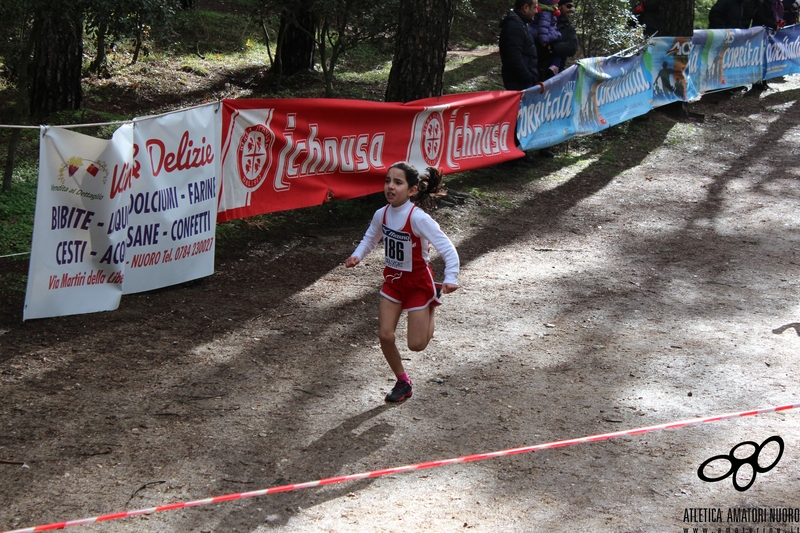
423, 227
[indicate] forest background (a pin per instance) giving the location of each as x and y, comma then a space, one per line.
98, 61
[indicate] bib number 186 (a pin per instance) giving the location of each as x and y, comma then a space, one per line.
394, 249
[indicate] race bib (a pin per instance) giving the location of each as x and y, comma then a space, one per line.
397, 245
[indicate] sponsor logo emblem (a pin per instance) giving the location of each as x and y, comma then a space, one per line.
432, 138
254, 155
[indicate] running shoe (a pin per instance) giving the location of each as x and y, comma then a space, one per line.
400, 392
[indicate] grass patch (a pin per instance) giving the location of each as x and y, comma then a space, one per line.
477, 71
367, 59
16, 211
14, 282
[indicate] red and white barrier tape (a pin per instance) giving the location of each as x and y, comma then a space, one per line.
402, 469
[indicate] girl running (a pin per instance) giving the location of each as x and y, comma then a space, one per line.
407, 233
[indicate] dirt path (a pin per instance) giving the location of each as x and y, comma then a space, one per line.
611, 294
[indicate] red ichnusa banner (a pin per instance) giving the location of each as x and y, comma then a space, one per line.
285, 154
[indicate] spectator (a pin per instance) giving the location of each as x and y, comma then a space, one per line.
767, 13
545, 22
727, 14
520, 67
791, 8
553, 56
517, 47
647, 13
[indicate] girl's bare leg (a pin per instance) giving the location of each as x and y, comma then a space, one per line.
388, 316
420, 328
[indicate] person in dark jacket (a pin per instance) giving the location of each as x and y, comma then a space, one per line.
553, 57
519, 62
728, 14
648, 14
791, 11
767, 13
520, 68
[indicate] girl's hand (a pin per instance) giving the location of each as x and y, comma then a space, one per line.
351, 261
447, 288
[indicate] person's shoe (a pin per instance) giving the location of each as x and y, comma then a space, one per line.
546, 152
400, 392
757, 88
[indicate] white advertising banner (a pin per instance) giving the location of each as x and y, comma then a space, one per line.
132, 214
171, 202
77, 257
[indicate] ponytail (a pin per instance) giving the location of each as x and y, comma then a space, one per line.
429, 184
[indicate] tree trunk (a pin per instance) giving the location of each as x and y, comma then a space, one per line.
322, 46
20, 106
100, 59
57, 56
266, 40
420, 49
677, 18
137, 47
296, 47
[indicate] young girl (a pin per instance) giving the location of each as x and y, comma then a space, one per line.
407, 233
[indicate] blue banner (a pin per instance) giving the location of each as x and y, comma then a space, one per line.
730, 58
672, 62
783, 52
546, 116
611, 90
604, 91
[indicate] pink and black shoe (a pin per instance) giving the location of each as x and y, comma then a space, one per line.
400, 393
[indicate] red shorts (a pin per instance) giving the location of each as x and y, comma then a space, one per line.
415, 290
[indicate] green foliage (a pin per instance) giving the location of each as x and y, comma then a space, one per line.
14, 282
16, 211
122, 19
347, 24
16, 19
111, 22
200, 32
701, 9
476, 22
606, 27
375, 56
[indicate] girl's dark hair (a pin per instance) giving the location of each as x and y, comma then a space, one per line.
429, 183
